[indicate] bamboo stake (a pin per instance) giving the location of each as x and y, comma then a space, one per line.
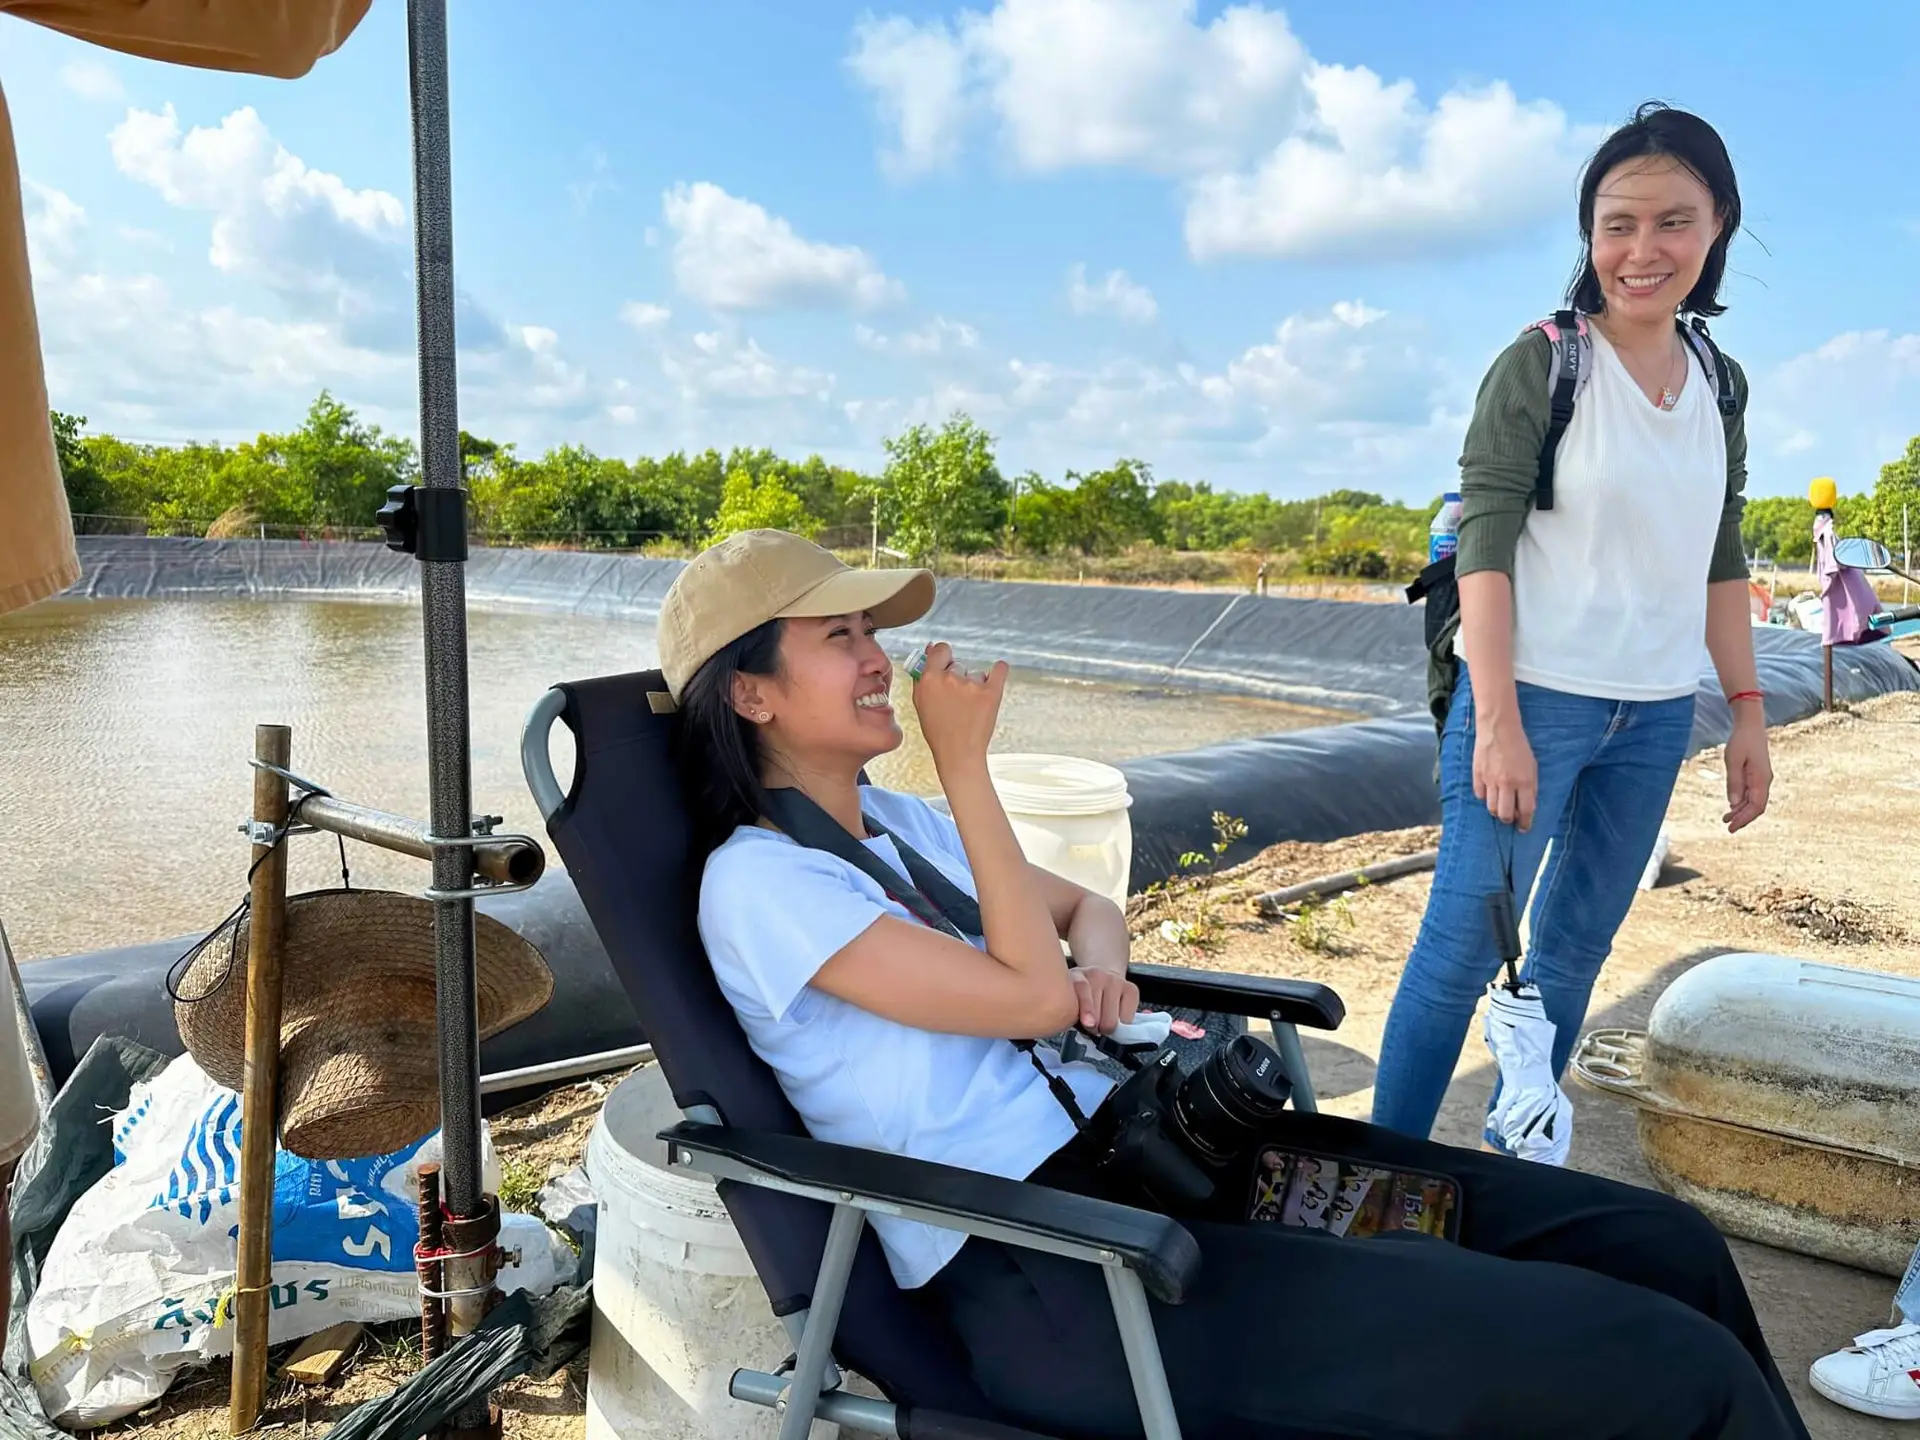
259, 1114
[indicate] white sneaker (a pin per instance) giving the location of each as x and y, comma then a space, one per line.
1879, 1374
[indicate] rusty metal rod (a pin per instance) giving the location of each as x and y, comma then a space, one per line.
433, 1311
259, 1101
509, 860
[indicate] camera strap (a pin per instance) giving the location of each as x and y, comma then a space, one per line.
924, 892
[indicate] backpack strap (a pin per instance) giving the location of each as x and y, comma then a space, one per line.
1566, 332
1714, 363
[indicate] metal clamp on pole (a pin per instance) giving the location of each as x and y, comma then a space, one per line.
428, 522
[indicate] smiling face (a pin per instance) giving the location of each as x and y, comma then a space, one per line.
828, 708
1653, 224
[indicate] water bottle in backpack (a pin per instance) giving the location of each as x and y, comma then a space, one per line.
1443, 536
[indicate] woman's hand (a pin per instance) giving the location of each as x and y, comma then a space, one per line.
957, 711
1504, 772
1749, 771
1106, 1000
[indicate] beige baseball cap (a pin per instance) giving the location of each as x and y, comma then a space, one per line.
760, 575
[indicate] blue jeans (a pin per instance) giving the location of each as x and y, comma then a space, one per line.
1606, 773
1906, 1300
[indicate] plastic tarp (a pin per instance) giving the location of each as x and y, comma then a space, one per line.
72, 1152
1318, 784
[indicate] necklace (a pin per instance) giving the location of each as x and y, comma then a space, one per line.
1669, 397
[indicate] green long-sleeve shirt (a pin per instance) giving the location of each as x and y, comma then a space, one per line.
1500, 463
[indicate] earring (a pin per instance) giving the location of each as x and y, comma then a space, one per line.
763, 717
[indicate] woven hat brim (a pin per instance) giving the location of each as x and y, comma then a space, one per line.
359, 1029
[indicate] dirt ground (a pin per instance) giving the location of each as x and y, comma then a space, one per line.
1819, 877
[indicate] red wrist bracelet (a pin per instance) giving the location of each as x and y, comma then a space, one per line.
1740, 695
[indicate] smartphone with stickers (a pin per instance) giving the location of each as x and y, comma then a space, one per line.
1350, 1199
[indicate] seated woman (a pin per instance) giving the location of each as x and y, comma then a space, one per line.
1572, 1306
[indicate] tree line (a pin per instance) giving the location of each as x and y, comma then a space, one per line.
940, 493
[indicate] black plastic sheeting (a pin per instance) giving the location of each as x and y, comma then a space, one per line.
1313, 785
75, 999
1307, 652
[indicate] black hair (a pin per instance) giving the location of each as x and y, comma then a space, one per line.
717, 749
1658, 129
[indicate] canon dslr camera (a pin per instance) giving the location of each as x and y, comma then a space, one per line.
1170, 1135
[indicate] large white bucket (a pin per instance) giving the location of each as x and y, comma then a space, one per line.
1070, 817
676, 1307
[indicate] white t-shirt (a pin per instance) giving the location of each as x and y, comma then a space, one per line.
1610, 586
771, 914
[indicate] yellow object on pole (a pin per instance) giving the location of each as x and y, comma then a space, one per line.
259, 1128
1823, 494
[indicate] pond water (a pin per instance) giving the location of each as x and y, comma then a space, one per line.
126, 728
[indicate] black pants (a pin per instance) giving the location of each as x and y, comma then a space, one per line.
1573, 1307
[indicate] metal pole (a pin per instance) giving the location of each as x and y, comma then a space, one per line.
444, 606
260, 1076
508, 860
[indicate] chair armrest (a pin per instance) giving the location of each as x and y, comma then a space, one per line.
1298, 1002
1016, 1212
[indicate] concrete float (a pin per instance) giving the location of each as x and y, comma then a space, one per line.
1780, 1097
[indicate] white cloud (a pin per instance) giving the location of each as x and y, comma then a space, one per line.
54, 224
1114, 295
1083, 82
730, 254
1844, 409
91, 80
644, 315
126, 350
939, 336
1378, 174
919, 78
326, 248
1345, 396
1274, 153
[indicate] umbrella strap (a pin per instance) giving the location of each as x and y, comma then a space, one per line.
1501, 909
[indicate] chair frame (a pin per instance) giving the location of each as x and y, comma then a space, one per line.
1141, 1254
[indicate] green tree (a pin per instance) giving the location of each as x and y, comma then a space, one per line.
339, 466
1113, 508
942, 491
764, 504
1895, 504
88, 492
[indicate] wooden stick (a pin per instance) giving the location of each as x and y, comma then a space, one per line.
1274, 903
1826, 664
259, 1114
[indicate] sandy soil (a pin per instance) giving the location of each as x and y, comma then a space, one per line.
1817, 877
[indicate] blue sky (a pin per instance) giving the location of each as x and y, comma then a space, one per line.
1269, 248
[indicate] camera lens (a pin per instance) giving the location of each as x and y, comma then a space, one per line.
1222, 1105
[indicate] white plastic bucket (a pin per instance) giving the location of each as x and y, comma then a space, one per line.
1070, 817
676, 1306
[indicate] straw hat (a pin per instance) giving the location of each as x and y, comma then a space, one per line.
359, 1048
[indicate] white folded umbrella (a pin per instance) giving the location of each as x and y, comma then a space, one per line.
1534, 1118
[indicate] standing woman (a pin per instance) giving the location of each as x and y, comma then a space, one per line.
1581, 627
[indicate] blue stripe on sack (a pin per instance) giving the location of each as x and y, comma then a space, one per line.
226, 1141
203, 1146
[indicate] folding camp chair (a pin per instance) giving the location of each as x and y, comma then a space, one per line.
800, 1205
